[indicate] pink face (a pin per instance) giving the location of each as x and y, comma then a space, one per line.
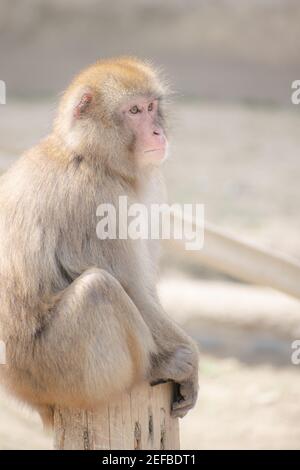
141, 116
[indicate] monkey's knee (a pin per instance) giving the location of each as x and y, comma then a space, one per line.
96, 284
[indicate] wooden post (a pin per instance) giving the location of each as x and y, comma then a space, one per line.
139, 419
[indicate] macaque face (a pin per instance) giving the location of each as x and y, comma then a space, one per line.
141, 116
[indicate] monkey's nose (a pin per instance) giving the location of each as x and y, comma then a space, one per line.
156, 132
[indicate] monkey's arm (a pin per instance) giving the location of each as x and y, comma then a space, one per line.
177, 354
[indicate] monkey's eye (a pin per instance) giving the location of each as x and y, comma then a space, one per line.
150, 107
134, 110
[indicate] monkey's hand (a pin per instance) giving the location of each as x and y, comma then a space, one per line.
182, 368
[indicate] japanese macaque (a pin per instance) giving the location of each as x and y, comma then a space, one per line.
80, 317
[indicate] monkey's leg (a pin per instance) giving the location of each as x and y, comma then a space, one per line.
97, 344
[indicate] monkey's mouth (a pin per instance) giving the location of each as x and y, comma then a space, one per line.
154, 150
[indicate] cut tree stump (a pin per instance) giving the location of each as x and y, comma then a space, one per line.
139, 419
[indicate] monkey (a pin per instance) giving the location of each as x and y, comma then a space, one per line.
80, 317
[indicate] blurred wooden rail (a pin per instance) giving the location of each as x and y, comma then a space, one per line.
240, 259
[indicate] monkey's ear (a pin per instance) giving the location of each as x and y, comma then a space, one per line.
82, 106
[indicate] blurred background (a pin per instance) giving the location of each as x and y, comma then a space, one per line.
235, 148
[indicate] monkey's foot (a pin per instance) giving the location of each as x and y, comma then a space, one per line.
185, 399
182, 369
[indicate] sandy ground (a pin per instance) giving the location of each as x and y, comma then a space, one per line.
207, 48
243, 164
243, 407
